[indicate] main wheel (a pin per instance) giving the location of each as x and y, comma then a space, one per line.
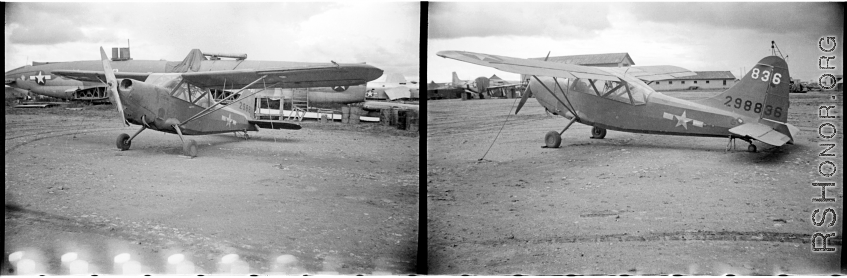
190, 148
123, 142
598, 133
751, 148
552, 139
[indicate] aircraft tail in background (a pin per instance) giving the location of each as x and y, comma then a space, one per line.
395, 78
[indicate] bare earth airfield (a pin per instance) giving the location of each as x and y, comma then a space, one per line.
630, 203
330, 198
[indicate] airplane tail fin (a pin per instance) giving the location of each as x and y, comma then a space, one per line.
395, 78
761, 93
456, 80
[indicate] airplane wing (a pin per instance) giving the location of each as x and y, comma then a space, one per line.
653, 73
98, 76
529, 66
299, 77
767, 134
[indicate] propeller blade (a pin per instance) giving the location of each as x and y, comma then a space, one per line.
526, 94
112, 85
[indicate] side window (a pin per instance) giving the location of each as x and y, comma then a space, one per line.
724, 82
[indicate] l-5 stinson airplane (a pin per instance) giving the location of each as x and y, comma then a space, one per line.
179, 102
618, 99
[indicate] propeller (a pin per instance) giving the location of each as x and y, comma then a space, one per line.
525, 95
112, 85
527, 92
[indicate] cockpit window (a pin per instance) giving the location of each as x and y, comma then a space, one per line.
633, 92
184, 91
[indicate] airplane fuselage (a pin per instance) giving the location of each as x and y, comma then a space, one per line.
653, 113
151, 104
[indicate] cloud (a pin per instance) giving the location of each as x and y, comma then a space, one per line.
555, 20
774, 18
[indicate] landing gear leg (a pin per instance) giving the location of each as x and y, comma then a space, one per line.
598, 133
553, 139
189, 148
125, 141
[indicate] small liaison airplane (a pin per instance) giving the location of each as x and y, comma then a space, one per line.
618, 99
179, 102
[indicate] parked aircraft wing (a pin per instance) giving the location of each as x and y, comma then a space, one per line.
98, 76
653, 73
529, 66
300, 77
762, 133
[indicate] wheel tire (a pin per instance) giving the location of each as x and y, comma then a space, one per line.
751, 148
123, 142
598, 133
552, 139
190, 148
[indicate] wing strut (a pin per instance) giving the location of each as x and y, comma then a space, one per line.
209, 110
554, 95
573, 109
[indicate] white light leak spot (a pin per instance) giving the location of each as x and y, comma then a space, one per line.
14, 257
286, 259
176, 258
26, 267
131, 268
69, 257
122, 258
78, 267
240, 267
228, 259
185, 268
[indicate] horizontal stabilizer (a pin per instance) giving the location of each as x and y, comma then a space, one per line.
761, 132
270, 124
98, 76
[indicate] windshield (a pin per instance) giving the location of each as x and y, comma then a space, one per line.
185, 91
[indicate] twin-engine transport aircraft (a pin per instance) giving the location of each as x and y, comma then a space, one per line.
180, 103
618, 99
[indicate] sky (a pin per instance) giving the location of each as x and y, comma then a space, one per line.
385, 35
696, 36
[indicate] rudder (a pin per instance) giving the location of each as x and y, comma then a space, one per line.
762, 92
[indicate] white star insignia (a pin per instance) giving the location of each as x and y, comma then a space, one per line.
682, 120
228, 119
40, 78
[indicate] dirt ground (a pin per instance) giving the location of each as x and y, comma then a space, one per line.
330, 198
627, 204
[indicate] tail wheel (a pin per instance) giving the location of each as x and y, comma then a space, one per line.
598, 133
552, 139
123, 142
190, 148
751, 148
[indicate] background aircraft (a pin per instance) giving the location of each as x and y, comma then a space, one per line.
395, 87
179, 102
618, 99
